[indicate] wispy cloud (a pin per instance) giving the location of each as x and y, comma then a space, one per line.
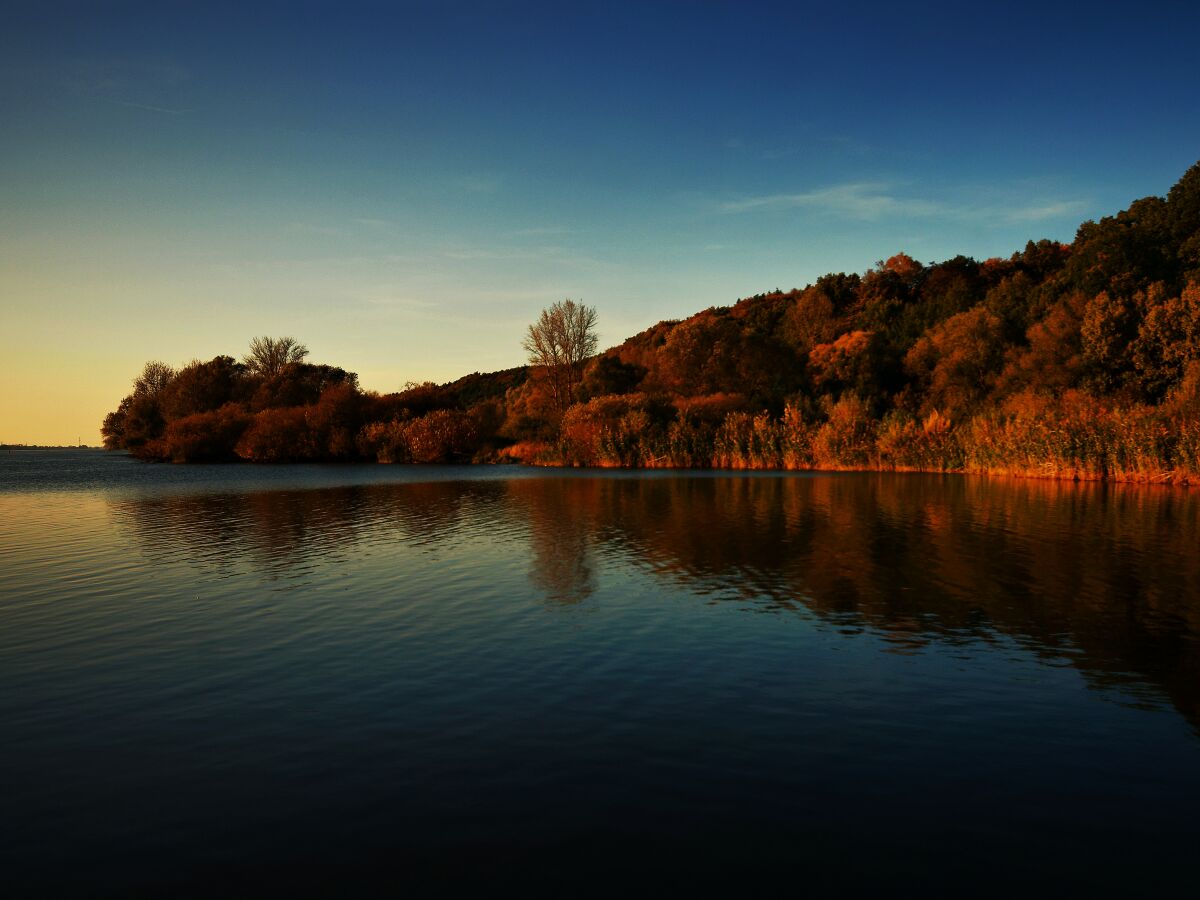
129, 83
148, 107
862, 200
1042, 212
875, 201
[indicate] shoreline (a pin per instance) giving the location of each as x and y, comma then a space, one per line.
1181, 478
1078, 476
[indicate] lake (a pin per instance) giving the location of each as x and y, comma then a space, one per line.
373, 679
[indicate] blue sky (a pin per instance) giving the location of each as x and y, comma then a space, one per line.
404, 186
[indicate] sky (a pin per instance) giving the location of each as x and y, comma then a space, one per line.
404, 186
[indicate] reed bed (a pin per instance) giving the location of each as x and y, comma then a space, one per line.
1082, 441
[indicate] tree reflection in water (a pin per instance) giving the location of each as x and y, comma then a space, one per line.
1106, 579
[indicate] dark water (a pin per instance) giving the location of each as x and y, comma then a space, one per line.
270, 680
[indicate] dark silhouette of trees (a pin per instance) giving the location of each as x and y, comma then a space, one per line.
139, 419
609, 374
203, 386
112, 429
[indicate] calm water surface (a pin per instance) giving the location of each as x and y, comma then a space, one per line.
263, 679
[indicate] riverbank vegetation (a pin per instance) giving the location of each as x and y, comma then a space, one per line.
1077, 360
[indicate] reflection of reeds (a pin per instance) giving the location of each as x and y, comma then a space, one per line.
1053, 566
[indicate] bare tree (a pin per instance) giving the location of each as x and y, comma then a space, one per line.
269, 356
561, 341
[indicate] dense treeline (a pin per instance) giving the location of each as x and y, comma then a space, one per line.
294, 411
1077, 360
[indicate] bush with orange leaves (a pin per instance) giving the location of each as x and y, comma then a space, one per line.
845, 362
928, 445
335, 420
385, 442
444, 435
207, 436
847, 439
278, 435
583, 426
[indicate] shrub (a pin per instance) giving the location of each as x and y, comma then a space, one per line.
443, 435
207, 436
277, 435
847, 439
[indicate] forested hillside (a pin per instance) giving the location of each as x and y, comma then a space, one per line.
1065, 360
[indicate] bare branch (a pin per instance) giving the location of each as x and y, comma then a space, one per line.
269, 356
562, 340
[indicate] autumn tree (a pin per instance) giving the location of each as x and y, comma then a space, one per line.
610, 375
845, 363
700, 356
955, 361
560, 342
1183, 214
1108, 331
298, 384
810, 319
1168, 340
202, 387
1052, 360
139, 418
